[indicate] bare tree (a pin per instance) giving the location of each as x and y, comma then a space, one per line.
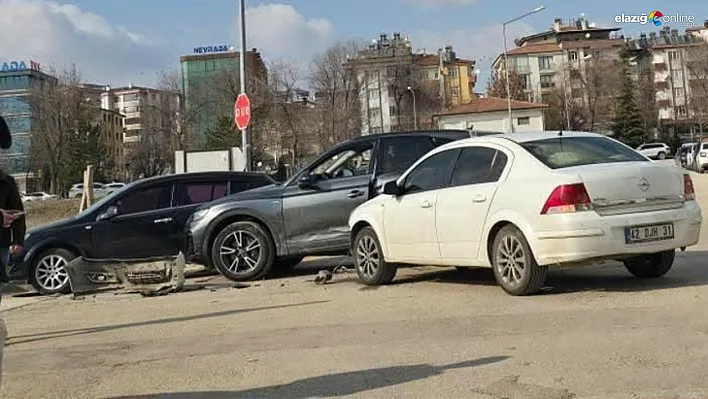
697, 65
496, 86
150, 156
59, 111
337, 94
408, 81
597, 85
182, 118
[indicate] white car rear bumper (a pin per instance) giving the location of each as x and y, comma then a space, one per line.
586, 236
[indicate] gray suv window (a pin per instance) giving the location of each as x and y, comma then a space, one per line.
398, 154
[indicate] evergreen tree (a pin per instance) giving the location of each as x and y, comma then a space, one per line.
223, 135
627, 125
87, 148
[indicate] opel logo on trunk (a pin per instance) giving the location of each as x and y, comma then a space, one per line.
644, 184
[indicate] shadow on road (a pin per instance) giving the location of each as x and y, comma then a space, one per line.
333, 385
690, 269
23, 339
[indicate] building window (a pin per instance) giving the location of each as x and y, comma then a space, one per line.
132, 121
374, 94
375, 130
573, 55
523, 121
392, 110
674, 56
545, 63
547, 82
453, 71
375, 114
678, 92
681, 111
455, 91
130, 97
526, 81
677, 76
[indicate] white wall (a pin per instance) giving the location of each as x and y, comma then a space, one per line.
494, 121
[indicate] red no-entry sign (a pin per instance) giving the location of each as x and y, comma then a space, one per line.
242, 111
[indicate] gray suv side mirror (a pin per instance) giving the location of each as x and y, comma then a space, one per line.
109, 214
307, 181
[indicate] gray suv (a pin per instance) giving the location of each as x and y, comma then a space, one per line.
245, 235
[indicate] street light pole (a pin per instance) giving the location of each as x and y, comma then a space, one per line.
415, 112
506, 63
245, 134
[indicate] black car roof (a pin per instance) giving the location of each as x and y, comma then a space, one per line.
202, 175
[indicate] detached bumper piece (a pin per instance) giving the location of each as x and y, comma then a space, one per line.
148, 277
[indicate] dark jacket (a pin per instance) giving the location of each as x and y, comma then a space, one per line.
10, 199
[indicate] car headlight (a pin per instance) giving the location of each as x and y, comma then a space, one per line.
200, 214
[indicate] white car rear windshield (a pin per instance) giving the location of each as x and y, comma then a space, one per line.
566, 152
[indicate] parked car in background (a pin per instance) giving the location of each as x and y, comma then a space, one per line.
111, 187
143, 219
655, 150
244, 236
701, 154
37, 196
586, 197
78, 189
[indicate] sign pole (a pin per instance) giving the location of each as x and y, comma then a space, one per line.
245, 136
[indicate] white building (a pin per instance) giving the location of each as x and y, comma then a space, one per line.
547, 60
680, 68
491, 114
146, 110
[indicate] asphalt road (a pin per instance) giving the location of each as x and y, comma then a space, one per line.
594, 333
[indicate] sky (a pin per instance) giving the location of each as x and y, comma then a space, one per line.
131, 41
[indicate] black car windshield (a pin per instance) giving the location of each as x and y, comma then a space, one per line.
565, 152
108, 198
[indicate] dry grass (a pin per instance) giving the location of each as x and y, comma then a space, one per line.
43, 212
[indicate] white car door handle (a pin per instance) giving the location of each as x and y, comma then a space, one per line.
479, 198
165, 220
426, 204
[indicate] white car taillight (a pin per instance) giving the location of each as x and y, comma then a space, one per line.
689, 194
567, 198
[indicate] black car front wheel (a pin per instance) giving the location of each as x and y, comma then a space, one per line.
243, 251
47, 273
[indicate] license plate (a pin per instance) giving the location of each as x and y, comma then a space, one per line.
648, 233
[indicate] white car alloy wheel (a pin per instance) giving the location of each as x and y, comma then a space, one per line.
50, 274
370, 265
515, 267
367, 256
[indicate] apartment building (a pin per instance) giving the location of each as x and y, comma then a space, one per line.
456, 77
559, 57
398, 84
111, 124
146, 110
680, 69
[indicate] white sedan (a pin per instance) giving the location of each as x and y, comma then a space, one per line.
522, 202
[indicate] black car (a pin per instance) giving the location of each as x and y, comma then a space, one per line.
143, 219
245, 235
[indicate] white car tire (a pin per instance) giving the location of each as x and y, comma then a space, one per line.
514, 264
651, 266
371, 267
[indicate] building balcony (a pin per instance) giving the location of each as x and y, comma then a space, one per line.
660, 66
663, 103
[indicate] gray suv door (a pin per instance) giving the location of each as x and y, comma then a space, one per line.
316, 216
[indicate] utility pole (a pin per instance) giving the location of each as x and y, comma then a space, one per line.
245, 134
506, 63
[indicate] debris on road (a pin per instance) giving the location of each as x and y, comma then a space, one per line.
147, 277
323, 277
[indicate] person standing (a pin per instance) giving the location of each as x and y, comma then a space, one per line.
12, 232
